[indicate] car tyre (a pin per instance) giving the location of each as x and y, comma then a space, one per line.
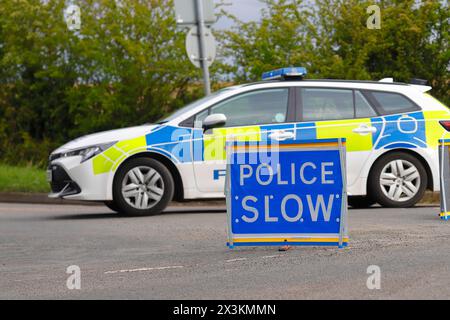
142, 187
397, 180
112, 206
360, 202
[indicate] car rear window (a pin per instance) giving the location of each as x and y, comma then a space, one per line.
391, 103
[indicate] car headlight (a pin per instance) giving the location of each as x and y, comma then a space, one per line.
85, 153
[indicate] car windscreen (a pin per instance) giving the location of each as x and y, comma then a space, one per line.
194, 105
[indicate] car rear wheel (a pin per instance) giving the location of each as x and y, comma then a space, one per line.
143, 187
398, 180
112, 206
359, 202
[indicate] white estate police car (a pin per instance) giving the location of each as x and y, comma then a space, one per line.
392, 131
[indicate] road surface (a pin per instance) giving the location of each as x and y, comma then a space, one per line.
182, 255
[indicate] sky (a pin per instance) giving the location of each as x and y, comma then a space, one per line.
246, 10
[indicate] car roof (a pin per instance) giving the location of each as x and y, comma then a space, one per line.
327, 80
410, 90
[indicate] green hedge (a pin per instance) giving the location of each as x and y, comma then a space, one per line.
127, 65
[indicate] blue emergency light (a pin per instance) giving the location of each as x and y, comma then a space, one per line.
285, 73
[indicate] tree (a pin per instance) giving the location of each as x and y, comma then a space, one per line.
126, 66
413, 42
281, 38
331, 38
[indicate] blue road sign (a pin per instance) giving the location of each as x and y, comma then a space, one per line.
286, 193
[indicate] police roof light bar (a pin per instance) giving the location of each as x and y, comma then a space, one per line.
285, 73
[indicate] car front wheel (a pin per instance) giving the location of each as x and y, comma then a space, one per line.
142, 187
398, 180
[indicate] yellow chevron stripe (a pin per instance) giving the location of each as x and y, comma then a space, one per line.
281, 240
286, 146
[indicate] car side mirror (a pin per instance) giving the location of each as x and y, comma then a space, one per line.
214, 121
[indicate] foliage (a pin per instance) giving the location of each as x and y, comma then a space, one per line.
127, 65
331, 38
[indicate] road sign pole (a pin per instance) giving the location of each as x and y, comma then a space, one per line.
203, 58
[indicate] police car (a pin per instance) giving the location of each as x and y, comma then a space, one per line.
392, 132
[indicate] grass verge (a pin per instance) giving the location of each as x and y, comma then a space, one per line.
22, 179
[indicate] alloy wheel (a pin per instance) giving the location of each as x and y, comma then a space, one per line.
400, 180
142, 187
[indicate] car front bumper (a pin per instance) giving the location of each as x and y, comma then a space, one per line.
71, 179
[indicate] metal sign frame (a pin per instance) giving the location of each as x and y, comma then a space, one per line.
341, 239
187, 15
199, 13
444, 177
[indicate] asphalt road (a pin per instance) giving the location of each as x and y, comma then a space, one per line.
182, 255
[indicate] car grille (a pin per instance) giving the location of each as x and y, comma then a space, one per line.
61, 180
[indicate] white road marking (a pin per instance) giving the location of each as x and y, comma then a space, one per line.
234, 260
269, 257
179, 267
143, 269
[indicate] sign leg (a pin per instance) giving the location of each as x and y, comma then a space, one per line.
344, 206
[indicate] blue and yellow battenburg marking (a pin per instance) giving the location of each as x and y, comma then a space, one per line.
444, 215
409, 131
412, 130
445, 142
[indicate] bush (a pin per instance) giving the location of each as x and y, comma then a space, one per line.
127, 65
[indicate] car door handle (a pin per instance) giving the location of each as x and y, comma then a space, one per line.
365, 130
282, 135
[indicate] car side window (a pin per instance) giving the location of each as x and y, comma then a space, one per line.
391, 102
253, 108
321, 104
363, 109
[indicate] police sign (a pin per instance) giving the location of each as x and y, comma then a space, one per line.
286, 193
